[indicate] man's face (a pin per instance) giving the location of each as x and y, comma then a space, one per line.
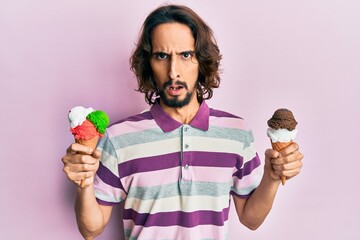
174, 64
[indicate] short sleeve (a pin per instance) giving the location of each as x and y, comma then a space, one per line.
107, 184
248, 171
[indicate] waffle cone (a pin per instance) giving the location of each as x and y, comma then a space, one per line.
91, 143
278, 146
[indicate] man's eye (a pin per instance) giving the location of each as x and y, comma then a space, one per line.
186, 55
161, 56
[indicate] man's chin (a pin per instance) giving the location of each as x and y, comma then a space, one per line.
175, 102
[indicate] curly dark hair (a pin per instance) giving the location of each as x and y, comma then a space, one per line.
206, 51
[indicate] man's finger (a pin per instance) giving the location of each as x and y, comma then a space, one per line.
96, 154
78, 148
270, 153
290, 149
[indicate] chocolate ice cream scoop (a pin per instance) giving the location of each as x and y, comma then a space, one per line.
282, 118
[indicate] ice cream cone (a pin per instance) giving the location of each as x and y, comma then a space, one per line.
282, 131
92, 142
87, 125
278, 146
89, 143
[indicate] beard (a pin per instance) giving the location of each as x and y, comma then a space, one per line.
175, 102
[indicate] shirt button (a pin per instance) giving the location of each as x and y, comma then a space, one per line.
186, 167
186, 129
186, 146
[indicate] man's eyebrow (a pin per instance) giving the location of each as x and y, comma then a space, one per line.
177, 53
159, 52
188, 51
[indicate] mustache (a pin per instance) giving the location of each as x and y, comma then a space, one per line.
177, 82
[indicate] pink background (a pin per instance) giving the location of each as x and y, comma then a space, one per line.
303, 55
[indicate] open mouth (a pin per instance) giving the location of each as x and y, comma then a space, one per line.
176, 88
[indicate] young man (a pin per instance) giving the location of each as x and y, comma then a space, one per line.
177, 165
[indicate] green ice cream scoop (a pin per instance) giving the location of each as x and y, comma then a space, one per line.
100, 120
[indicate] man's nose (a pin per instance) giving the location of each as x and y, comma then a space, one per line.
173, 68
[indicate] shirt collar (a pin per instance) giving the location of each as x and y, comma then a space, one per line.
168, 124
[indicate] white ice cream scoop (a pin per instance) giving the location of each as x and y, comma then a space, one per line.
281, 134
77, 115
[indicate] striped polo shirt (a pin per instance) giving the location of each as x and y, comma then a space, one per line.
176, 179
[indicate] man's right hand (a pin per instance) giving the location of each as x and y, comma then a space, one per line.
81, 163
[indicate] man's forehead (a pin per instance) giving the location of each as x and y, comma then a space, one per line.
172, 37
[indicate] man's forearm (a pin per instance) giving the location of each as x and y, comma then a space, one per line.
260, 202
89, 216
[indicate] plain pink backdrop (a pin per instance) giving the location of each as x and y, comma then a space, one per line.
303, 55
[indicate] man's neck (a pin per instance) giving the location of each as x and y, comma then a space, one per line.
184, 114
